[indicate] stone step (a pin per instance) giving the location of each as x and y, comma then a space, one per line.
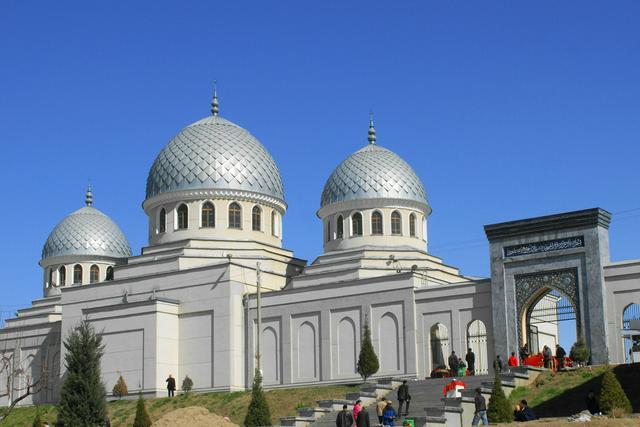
315, 412
336, 404
378, 389
365, 397
296, 421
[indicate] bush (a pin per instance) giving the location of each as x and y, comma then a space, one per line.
142, 416
82, 397
579, 351
187, 384
612, 396
120, 389
499, 409
37, 421
258, 413
367, 360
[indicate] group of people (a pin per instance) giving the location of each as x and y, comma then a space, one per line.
547, 358
456, 364
387, 415
522, 410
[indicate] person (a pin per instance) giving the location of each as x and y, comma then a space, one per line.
380, 408
389, 415
471, 361
523, 412
497, 364
481, 409
356, 409
546, 357
403, 397
513, 360
171, 385
524, 353
560, 355
362, 420
453, 363
592, 402
344, 418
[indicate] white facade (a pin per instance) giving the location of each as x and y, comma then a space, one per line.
186, 304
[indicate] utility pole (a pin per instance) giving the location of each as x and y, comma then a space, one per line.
259, 314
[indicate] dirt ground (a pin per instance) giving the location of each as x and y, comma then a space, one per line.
192, 416
595, 422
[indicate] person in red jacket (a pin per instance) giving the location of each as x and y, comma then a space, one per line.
513, 360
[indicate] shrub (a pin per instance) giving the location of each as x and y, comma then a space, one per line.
142, 416
499, 409
187, 384
120, 389
37, 421
579, 351
367, 360
258, 413
612, 396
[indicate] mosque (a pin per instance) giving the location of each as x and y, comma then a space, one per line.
187, 304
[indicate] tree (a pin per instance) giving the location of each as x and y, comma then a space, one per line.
142, 416
187, 384
579, 352
499, 410
612, 395
258, 413
82, 397
120, 389
367, 360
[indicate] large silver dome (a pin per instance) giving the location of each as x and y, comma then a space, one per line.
215, 153
86, 231
373, 172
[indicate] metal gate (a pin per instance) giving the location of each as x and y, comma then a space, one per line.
632, 312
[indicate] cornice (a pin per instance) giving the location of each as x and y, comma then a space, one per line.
214, 193
380, 202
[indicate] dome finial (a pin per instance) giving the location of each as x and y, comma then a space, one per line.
215, 108
372, 129
88, 197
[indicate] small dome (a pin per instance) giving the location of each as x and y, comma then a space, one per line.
86, 231
373, 172
214, 153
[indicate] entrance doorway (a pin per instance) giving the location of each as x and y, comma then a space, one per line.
631, 343
550, 319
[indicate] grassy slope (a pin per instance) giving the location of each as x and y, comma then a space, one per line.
282, 402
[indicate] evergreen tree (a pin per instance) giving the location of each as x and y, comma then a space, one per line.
142, 416
579, 352
82, 397
120, 389
612, 395
367, 360
37, 421
187, 384
258, 413
499, 409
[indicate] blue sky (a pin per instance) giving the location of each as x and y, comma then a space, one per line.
506, 110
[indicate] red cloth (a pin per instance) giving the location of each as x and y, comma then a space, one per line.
356, 410
513, 361
452, 386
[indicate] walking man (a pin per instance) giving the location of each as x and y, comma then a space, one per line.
481, 409
471, 361
403, 397
344, 418
363, 418
171, 385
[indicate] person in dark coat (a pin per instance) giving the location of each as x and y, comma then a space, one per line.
497, 364
471, 361
524, 353
546, 357
524, 413
403, 397
560, 355
171, 385
481, 409
453, 363
344, 418
363, 418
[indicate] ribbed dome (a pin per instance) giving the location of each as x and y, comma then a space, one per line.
214, 153
86, 231
373, 172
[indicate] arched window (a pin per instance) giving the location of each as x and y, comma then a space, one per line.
274, 223
94, 274
162, 221
376, 223
356, 224
109, 275
183, 217
396, 223
235, 216
256, 218
340, 227
62, 276
208, 215
328, 230
412, 225
77, 274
